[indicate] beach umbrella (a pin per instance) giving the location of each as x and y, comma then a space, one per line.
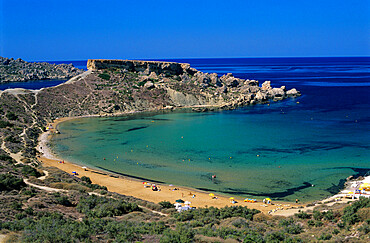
74, 172
350, 192
187, 202
177, 205
267, 199
212, 195
231, 198
170, 185
180, 201
144, 182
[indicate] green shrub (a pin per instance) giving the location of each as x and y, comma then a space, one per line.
11, 116
325, 236
311, 222
12, 139
350, 215
30, 171
318, 223
276, 236
86, 179
303, 215
238, 223
253, 237
215, 214
62, 200
17, 206
10, 182
4, 124
29, 211
104, 76
329, 215
5, 157
294, 229
166, 204
341, 225
182, 234
365, 228
95, 206
286, 222
317, 215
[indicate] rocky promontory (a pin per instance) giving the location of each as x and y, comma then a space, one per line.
186, 86
18, 70
114, 87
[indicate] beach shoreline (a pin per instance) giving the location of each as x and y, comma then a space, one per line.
130, 186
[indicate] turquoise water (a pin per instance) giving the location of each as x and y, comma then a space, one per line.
252, 154
278, 151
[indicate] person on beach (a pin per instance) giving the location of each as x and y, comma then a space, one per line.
296, 200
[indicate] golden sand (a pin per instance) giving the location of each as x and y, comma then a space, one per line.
133, 187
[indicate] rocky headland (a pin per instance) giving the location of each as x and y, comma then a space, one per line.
18, 70
114, 87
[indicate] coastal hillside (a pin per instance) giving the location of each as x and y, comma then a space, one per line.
18, 70
49, 205
111, 87
114, 87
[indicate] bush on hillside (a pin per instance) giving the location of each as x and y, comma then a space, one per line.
10, 182
95, 206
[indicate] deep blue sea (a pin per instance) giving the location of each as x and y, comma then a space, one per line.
279, 150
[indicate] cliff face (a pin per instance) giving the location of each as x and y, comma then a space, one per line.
168, 68
19, 71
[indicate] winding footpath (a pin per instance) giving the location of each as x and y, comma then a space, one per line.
50, 189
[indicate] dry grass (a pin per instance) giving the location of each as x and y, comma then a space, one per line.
70, 186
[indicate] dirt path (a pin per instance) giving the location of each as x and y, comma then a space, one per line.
331, 200
45, 188
2, 238
44, 177
50, 189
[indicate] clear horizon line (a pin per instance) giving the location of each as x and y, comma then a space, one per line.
168, 58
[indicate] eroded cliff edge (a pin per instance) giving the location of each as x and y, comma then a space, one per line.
113, 87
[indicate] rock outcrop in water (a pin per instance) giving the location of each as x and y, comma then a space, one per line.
19, 71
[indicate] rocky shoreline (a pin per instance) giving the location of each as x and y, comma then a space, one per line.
116, 87
18, 70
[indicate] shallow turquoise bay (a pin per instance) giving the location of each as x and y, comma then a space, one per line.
321, 140
277, 150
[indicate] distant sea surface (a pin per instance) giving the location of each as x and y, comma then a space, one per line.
279, 151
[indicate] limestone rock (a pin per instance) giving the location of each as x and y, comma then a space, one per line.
149, 85
153, 75
293, 93
225, 77
266, 85
260, 96
253, 82
232, 82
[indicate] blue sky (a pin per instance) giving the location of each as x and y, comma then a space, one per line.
78, 30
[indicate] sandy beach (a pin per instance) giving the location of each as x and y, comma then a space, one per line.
133, 187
